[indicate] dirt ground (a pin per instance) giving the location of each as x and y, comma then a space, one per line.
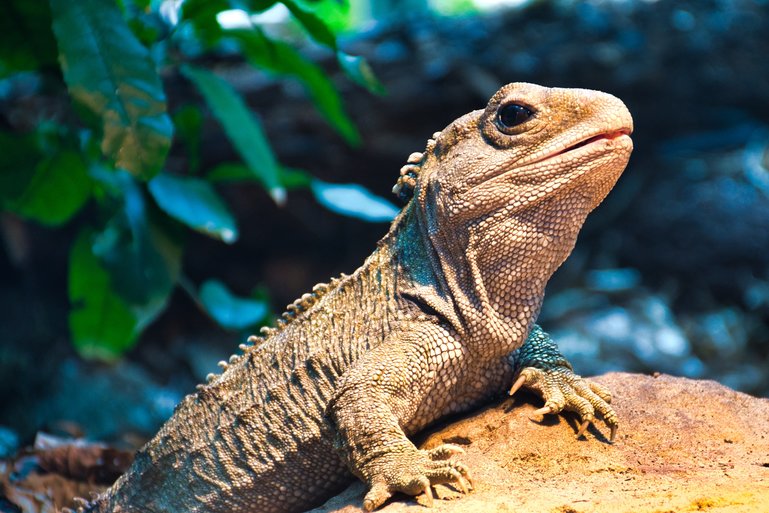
683, 445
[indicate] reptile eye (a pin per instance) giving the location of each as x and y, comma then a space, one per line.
512, 115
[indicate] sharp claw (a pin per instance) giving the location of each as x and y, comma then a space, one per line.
458, 477
462, 486
518, 384
613, 432
539, 415
469, 479
582, 428
429, 495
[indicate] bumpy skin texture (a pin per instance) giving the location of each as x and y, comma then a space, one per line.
438, 319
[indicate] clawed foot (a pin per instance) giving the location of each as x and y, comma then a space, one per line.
563, 390
415, 472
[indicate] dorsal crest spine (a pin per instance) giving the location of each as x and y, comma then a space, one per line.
295, 309
407, 181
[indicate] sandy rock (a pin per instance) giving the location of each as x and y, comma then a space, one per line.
683, 445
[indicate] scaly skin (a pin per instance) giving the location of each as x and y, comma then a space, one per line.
437, 320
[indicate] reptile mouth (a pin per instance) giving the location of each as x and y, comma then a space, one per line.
612, 135
581, 144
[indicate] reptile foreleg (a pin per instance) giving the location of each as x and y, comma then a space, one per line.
380, 394
539, 365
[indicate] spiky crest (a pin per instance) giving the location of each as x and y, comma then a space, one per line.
404, 187
293, 310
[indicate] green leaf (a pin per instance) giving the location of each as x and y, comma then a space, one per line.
290, 178
136, 5
26, 40
145, 28
49, 189
188, 121
242, 128
280, 58
166, 256
314, 25
101, 323
195, 203
359, 71
353, 200
142, 260
230, 311
146, 25
19, 155
58, 189
334, 13
256, 5
110, 74
201, 14
230, 172
355, 67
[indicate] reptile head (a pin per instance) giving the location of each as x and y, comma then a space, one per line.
503, 191
530, 144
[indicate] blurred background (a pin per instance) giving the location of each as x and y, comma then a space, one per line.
173, 173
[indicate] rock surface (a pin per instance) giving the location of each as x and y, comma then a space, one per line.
683, 445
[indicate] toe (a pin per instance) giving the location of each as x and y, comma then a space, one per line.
444, 452
451, 472
428, 490
600, 390
414, 473
563, 390
376, 496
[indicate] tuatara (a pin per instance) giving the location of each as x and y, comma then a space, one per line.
437, 320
